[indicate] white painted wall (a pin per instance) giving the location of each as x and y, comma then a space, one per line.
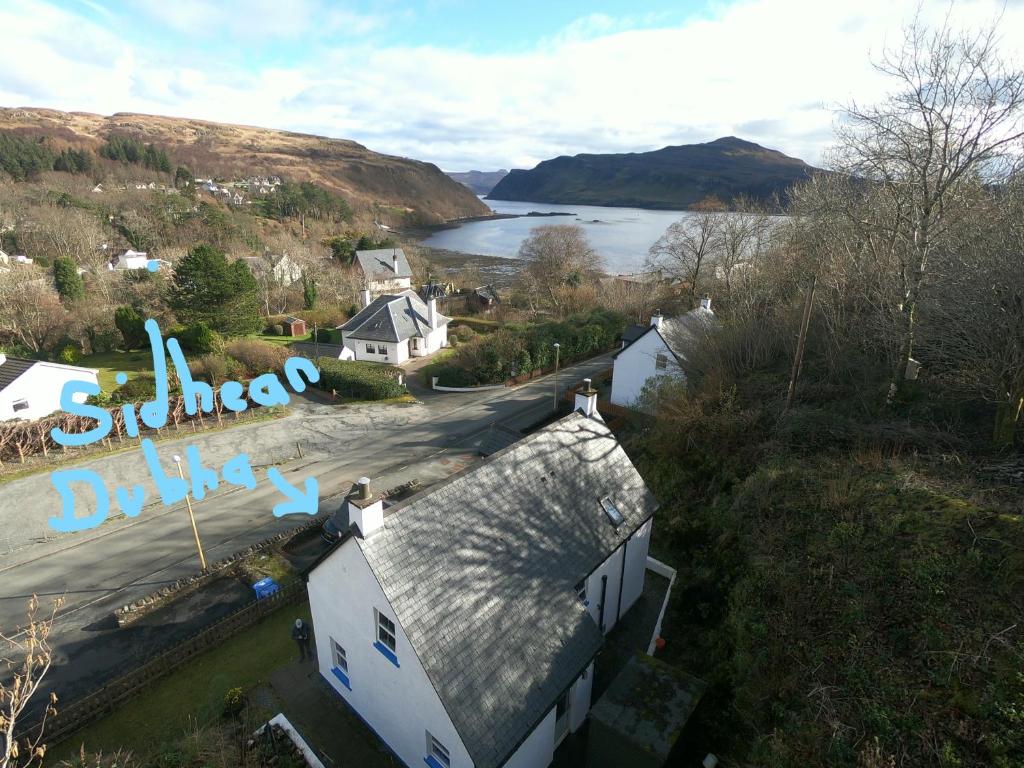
40, 386
399, 703
378, 287
636, 566
539, 748
435, 340
395, 353
580, 699
636, 364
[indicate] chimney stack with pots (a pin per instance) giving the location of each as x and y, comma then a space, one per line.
705, 303
657, 319
365, 511
432, 313
394, 260
366, 297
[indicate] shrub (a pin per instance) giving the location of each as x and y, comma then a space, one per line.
274, 330
257, 357
69, 354
200, 339
216, 369
360, 380
131, 325
234, 702
461, 333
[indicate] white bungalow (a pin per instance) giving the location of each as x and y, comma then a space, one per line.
393, 328
462, 624
30, 389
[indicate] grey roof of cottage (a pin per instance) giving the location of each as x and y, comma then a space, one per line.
634, 332
391, 317
12, 368
378, 264
481, 573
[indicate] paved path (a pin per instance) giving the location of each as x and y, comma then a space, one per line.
125, 559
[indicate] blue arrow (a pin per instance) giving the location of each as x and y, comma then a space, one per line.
298, 503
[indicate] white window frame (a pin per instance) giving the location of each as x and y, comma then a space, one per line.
438, 751
661, 361
384, 633
581, 591
338, 656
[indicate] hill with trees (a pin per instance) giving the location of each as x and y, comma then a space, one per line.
670, 178
393, 190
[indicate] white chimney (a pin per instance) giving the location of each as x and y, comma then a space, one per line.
366, 512
432, 313
394, 260
366, 297
657, 319
586, 401
3, 358
705, 303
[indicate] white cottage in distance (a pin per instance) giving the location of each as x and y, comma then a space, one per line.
386, 270
30, 389
394, 327
462, 624
659, 349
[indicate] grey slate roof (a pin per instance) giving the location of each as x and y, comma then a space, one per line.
391, 317
378, 264
680, 334
12, 368
634, 332
481, 572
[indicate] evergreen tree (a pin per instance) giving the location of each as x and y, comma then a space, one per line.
308, 292
67, 280
131, 325
207, 288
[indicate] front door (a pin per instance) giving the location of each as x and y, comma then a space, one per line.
562, 718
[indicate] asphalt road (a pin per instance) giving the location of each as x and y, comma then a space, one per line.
124, 559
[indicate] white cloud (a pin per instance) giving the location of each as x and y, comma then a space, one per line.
766, 70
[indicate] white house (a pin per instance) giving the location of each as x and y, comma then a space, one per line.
462, 624
280, 266
386, 270
660, 349
393, 328
130, 259
30, 389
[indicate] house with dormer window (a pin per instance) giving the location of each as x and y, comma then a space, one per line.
392, 328
385, 270
462, 624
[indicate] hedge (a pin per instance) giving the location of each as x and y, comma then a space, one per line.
518, 349
360, 380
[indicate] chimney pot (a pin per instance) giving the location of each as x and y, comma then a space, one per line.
586, 400
705, 303
364, 487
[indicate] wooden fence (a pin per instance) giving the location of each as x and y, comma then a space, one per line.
21, 440
115, 693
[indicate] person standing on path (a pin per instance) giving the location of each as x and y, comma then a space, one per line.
300, 634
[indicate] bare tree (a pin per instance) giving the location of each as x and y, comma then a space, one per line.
24, 662
955, 114
689, 246
30, 310
557, 258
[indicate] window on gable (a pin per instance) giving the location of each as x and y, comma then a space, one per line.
339, 656
614, 515
438, 755
20, 405
386, 632
661, 362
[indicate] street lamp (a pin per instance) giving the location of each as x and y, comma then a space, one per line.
555, 403
191, 516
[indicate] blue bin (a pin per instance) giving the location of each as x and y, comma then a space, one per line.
265, 587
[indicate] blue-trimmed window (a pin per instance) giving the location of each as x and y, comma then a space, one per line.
438, 755
387, 642
340, 659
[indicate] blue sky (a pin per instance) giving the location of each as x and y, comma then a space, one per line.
473, 84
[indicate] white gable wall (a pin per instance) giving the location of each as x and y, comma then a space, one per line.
539, 748
634, 550
392, 285
399, 703
40, 386
394, 353
636, 364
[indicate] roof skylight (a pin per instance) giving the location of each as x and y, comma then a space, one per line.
614, 516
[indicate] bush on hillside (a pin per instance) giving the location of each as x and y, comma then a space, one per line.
360, 380
200, 339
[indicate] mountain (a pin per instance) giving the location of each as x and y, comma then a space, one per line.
672, 177
481, 182
372, 183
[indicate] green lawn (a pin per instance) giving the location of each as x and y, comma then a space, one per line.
133, 363
282, 341
194, 692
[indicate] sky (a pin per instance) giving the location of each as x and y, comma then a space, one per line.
477, 85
